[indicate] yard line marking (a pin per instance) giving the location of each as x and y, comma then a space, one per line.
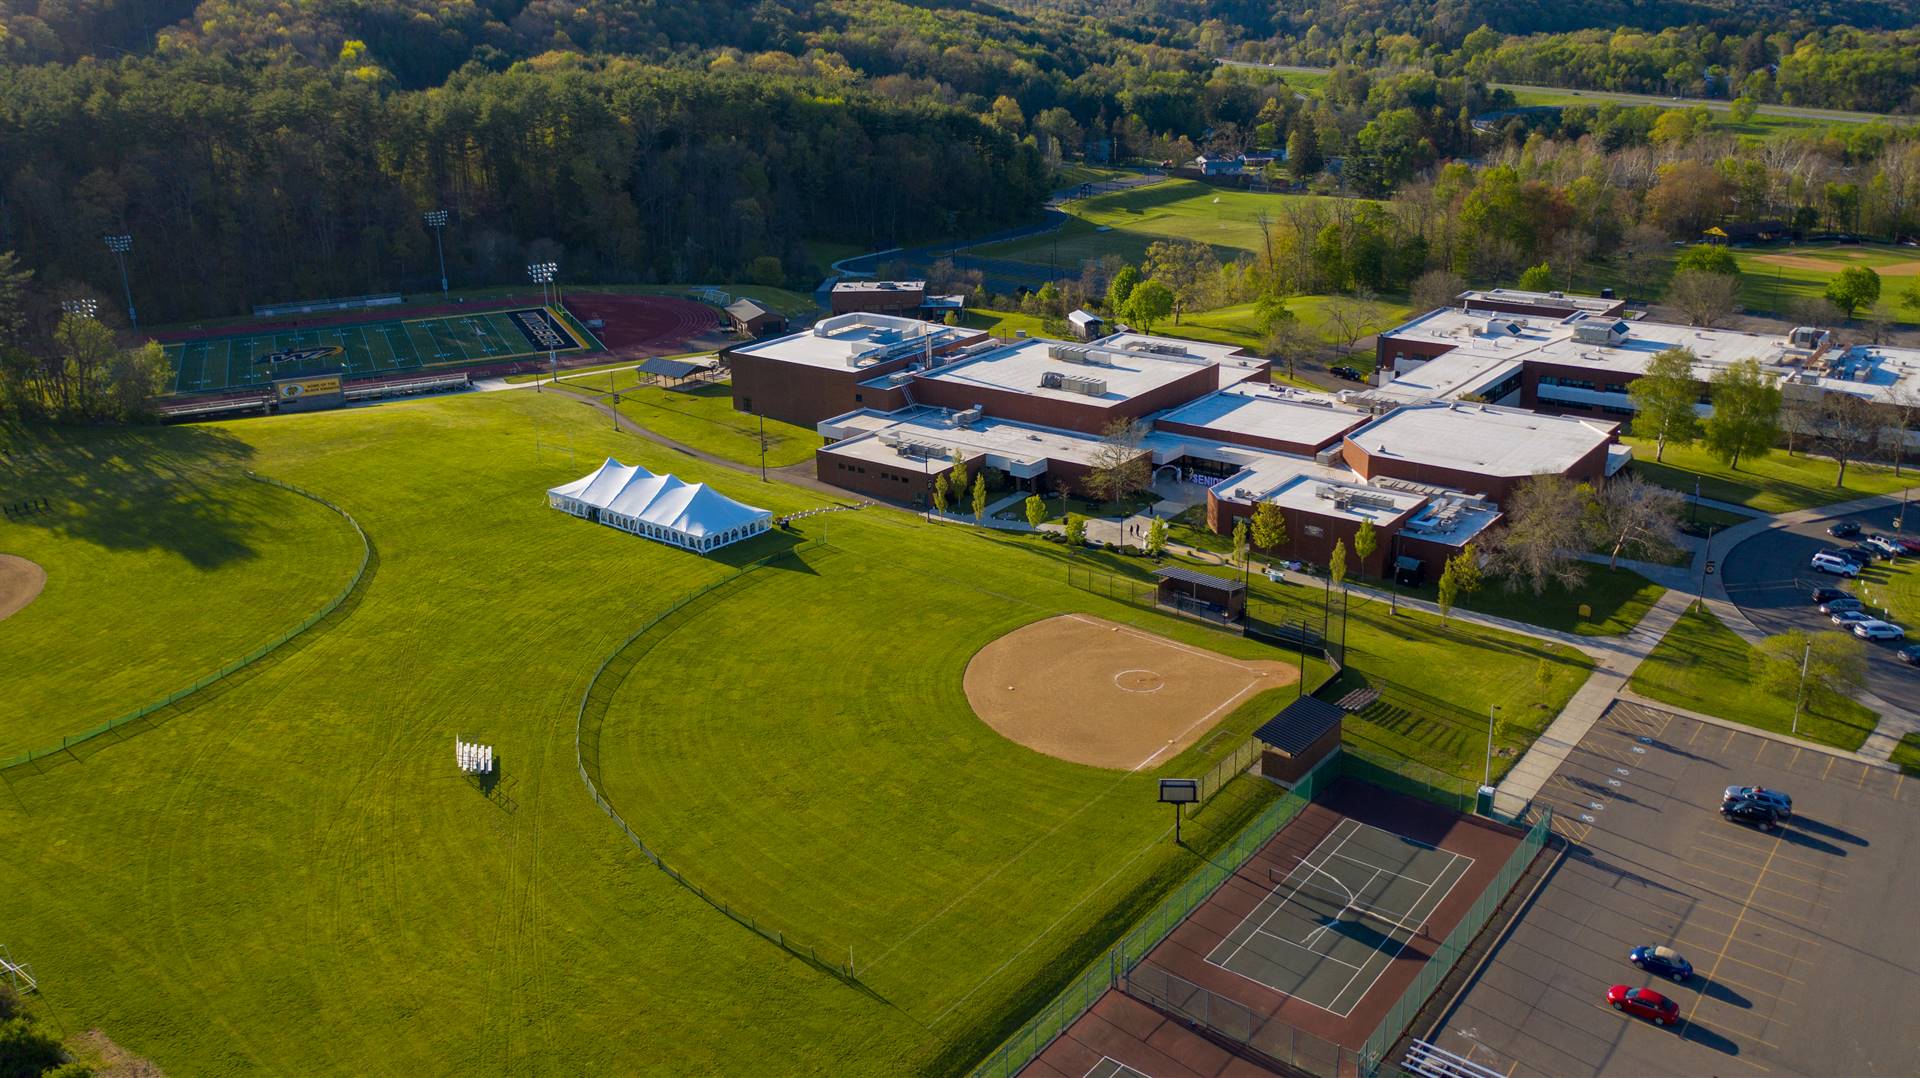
1737, 921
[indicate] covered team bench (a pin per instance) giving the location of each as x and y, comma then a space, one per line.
1192, 592
1305, 732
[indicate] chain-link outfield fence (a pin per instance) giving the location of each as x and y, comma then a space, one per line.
1125, 967
606, 682
232, 668
1410, 777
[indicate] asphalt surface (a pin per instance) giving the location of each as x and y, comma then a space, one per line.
1804, 957
1768, 578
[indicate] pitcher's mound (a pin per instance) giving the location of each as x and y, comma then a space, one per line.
1096, 692
20, 583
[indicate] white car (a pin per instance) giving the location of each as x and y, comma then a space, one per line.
1886, 546
1875, 629
1833, 563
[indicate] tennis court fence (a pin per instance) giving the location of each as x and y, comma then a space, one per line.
230, 669
1264, 1034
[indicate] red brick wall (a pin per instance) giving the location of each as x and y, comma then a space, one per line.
1591, 468
1304, 449
903, 301
1303, 546
900, 481
1089, 418
1385, 348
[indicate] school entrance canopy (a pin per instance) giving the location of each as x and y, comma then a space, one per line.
692, 516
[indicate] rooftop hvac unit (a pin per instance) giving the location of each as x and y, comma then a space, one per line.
969, 416
1328, 457
1807, 336
1597, 332
1505, 327
1158, 348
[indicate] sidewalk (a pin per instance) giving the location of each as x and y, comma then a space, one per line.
1611, 672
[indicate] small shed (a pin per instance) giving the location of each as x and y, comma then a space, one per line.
1201, 594
1086, 325
1294, 742
750, 319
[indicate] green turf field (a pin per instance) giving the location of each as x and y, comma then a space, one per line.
290, 876
1125, 222
367, 349
701, 416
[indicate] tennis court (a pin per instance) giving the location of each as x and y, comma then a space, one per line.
1338, 917
369, 349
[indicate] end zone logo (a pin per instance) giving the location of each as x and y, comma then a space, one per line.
298, 355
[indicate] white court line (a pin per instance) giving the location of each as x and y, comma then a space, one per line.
1309, 950
1397, 875
1274, 890
1402, 944
1352, 901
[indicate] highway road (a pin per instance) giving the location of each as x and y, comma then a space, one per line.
1790, 111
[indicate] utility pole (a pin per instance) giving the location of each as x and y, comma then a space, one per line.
1806, 655
120, 243
437, 220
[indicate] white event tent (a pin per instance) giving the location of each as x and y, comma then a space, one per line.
692, 516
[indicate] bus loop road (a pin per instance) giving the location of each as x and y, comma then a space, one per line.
1768, 578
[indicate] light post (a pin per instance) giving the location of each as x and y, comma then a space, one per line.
437, 220
1486, 776
542, 274
85, 308
1805, 656
120, 243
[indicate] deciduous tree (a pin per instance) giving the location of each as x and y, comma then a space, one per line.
1119, 467
1269, 526
1706, 298
1365, 542
1853, 288
1633, 517
1664, 399
1746, 413
1149, 303
1544, 535
1036, 508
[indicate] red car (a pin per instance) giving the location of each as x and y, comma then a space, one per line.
1644, 1003
1912, 545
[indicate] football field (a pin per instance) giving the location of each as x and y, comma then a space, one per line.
367, 349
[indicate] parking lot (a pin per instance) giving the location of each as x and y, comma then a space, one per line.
1803, 941
1768, 577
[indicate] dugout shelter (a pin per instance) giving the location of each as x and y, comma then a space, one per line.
1295, 741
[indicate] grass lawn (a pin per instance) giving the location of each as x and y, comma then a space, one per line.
1073, 175
1773, 277
213, 891
1235, 324
1009, 323
1776, 483
1907, 754
1616, 599
164, 562
1892, 586
702, 416
1125, 222
1704, 666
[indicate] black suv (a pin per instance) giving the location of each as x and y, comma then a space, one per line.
1844, 529
1751, 813
1822, 595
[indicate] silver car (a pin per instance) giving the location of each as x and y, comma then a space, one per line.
1780, 803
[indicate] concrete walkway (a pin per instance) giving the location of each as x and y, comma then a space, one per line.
1612, 669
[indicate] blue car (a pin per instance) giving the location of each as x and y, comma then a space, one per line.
1661, 962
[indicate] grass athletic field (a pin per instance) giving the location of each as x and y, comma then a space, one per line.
368, 349
163, 562
1124, 222
1772, 278
288, 874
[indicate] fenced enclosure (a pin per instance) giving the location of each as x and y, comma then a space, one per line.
1410, 777
1124, 966
234, 667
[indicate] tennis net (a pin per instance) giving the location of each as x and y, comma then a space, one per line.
1342, 903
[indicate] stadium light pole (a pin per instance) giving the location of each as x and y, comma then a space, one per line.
542, 274
120, 243
85, 308
437, 220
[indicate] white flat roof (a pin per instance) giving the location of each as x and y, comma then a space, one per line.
1544, 299
855, 341
1482, 438
1019, 366
1020, 444
1869, 371
1259, 410
1225, 354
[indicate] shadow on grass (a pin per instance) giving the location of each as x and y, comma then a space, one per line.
168, 488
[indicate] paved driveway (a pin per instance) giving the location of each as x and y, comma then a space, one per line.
1767, 576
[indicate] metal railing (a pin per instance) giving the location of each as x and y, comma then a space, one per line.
234, 667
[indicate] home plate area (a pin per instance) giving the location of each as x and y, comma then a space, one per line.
1101, 693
